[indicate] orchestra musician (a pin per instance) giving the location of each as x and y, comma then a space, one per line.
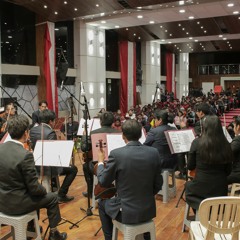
136, 170
47, 121
9, 112
19, 186
106, 121
211, 156
42, 105
71, 128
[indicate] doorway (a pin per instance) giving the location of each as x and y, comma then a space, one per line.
112, 94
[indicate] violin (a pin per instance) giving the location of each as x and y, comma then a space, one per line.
99, 191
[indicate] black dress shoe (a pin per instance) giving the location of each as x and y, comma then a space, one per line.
65, 199
56, 235
85, 194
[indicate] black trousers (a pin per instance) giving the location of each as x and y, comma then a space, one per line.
70, 173
88, 175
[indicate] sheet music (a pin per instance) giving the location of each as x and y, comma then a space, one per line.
227, 135
96, 124
114, 141
81, 127
180, 140
55, 153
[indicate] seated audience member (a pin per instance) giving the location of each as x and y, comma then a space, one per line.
130, 114
117, 124
106, 121
42, 105
126, 166
70, 128
20, 191
234, 176
211, 157
156, 138
47, 121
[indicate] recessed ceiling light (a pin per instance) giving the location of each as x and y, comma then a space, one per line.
134, 34
181, 2
139, 37
103, 22
127, 29
183, 29
139, 7
220, 36
117, 26
166, 30
230, 5
102, 14
9, 36
163, 40
196, 40
182, 10
198, 22
170, 34
169, 42
97, 5
139, 16
190, 38
179, 24
191, 17
65, 2
45, 6
187, 33
151, 22
224, 39
55, 13
75, 9
205, 31
201, 27
236, 12
56, 29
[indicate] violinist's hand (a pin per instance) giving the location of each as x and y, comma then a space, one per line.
101, 155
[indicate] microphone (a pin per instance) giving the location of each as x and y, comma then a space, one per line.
61, 88
82, 89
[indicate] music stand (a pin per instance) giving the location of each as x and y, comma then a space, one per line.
50, 153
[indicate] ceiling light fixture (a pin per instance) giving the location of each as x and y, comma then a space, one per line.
75, 9
151, 22
182, 10
65, 2
56, 13
181, 2
236, 12
103, 22
230, 5
117, 26
45, 6
191, 17
139, 16
97, 5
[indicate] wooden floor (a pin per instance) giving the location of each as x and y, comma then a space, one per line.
168, 221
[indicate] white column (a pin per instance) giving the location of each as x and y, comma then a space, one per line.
182, 75
89, 59
150, 58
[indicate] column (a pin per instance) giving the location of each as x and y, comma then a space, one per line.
89, 59
150, 54
182, 75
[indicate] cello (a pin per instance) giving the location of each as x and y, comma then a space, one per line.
99, 191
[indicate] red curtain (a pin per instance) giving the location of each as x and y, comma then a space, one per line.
134, 75
123, 53
169, 71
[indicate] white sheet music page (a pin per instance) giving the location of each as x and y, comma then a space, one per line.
180, 140
81, 127
53, 153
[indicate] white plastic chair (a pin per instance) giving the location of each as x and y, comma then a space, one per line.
235, 191
131, 231
19, 226
219, 219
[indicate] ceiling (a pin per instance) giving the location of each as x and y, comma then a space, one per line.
183, 26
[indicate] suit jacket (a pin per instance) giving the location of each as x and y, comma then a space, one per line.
157, 139
136, 170
18, 179
35, 117
48, 134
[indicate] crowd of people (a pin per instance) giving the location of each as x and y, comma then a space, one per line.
215, 160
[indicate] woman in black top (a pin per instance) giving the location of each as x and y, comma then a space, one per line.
211, 156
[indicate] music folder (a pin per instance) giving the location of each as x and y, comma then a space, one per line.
180, 141
53, 153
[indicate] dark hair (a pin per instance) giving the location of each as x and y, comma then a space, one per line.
132, 130
41, 102
164, 115
213, 145
46, 116
204, 107
237, 120
17, 125
107, 119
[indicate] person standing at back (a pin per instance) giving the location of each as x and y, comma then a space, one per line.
42, 105
136, 170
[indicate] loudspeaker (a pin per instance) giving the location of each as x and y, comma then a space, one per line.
61, 72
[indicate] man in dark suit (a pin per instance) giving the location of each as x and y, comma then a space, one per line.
47, 121
136, 170
106, 121
20, 191
42, 105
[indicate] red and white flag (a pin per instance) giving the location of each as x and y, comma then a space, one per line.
170, 70
128, 75
50, 67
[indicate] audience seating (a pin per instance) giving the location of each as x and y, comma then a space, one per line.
19, 226
188, 218
235, 191
132, 231
168, 189
219, 219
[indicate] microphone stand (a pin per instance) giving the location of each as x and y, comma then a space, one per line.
86, 116
155, 94
15, 102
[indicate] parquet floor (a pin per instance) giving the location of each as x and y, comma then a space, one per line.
168, 221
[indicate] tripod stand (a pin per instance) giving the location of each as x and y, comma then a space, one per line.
86, 116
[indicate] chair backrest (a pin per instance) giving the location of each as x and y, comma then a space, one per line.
220, 215
235, 191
